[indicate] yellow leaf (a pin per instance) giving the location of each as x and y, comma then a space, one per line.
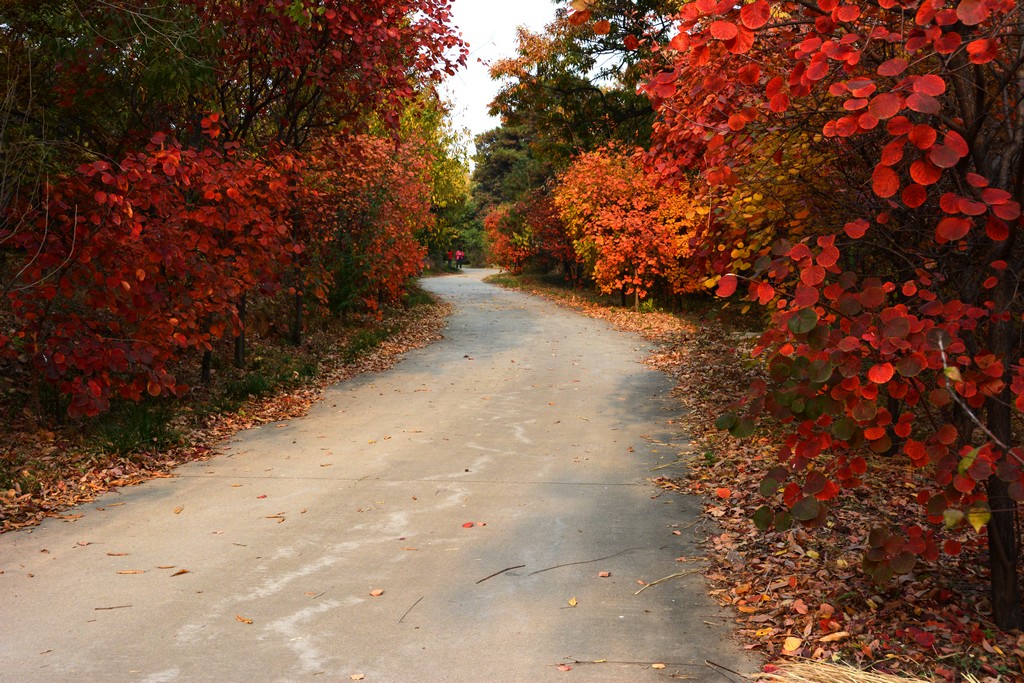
357, 677
178, 509
979, 517
239, 617
791, 645
572, 602
761, 633
659, 665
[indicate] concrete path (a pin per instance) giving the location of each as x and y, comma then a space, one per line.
536, 425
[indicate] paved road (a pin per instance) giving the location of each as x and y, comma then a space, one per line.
537, 425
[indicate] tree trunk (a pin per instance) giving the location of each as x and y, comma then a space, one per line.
1002, 528
240, 338
297, 319
205, 372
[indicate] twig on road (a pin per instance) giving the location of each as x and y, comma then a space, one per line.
667, 578
570, 564
104, 609
410, 609
507, 569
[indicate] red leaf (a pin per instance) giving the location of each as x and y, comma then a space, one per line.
828, 257
893, 67
930, 84
982, 51
603, 27
723, 492
724, 30
976, 180
756, 14
924, 104
884, 181
892, 153
996, 229
943, 156
812, 276
956, 142
914, 195
972, 12
885, 105
922, 136
925, 172
881, 373
947, 43
847, 13
727, 286
631, 42
749, 74
742, 43
952, 228
856, 229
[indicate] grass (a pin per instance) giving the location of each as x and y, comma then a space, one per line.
135, 427
364, 341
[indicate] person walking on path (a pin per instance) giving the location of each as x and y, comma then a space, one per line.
459, 255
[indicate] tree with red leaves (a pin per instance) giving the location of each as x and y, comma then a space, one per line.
180, 146
897, 328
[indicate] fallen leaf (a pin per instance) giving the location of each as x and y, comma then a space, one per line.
180, 572
83, 543
239, 617
357, 677
263, 496
604, 575
467, 525
178, 509
166, 566
723, 492
116, 554
377, 592
659, 665
132, 571
564, 667
791, 645
572, 601
834, 637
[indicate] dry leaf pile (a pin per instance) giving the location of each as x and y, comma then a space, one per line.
800, 595
67, 474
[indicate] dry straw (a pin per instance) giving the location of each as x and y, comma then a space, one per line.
813, 672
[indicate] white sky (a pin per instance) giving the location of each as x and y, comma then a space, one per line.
489, 26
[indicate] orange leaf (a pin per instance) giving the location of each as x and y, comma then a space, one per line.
244, 620
881, 373
723, 492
